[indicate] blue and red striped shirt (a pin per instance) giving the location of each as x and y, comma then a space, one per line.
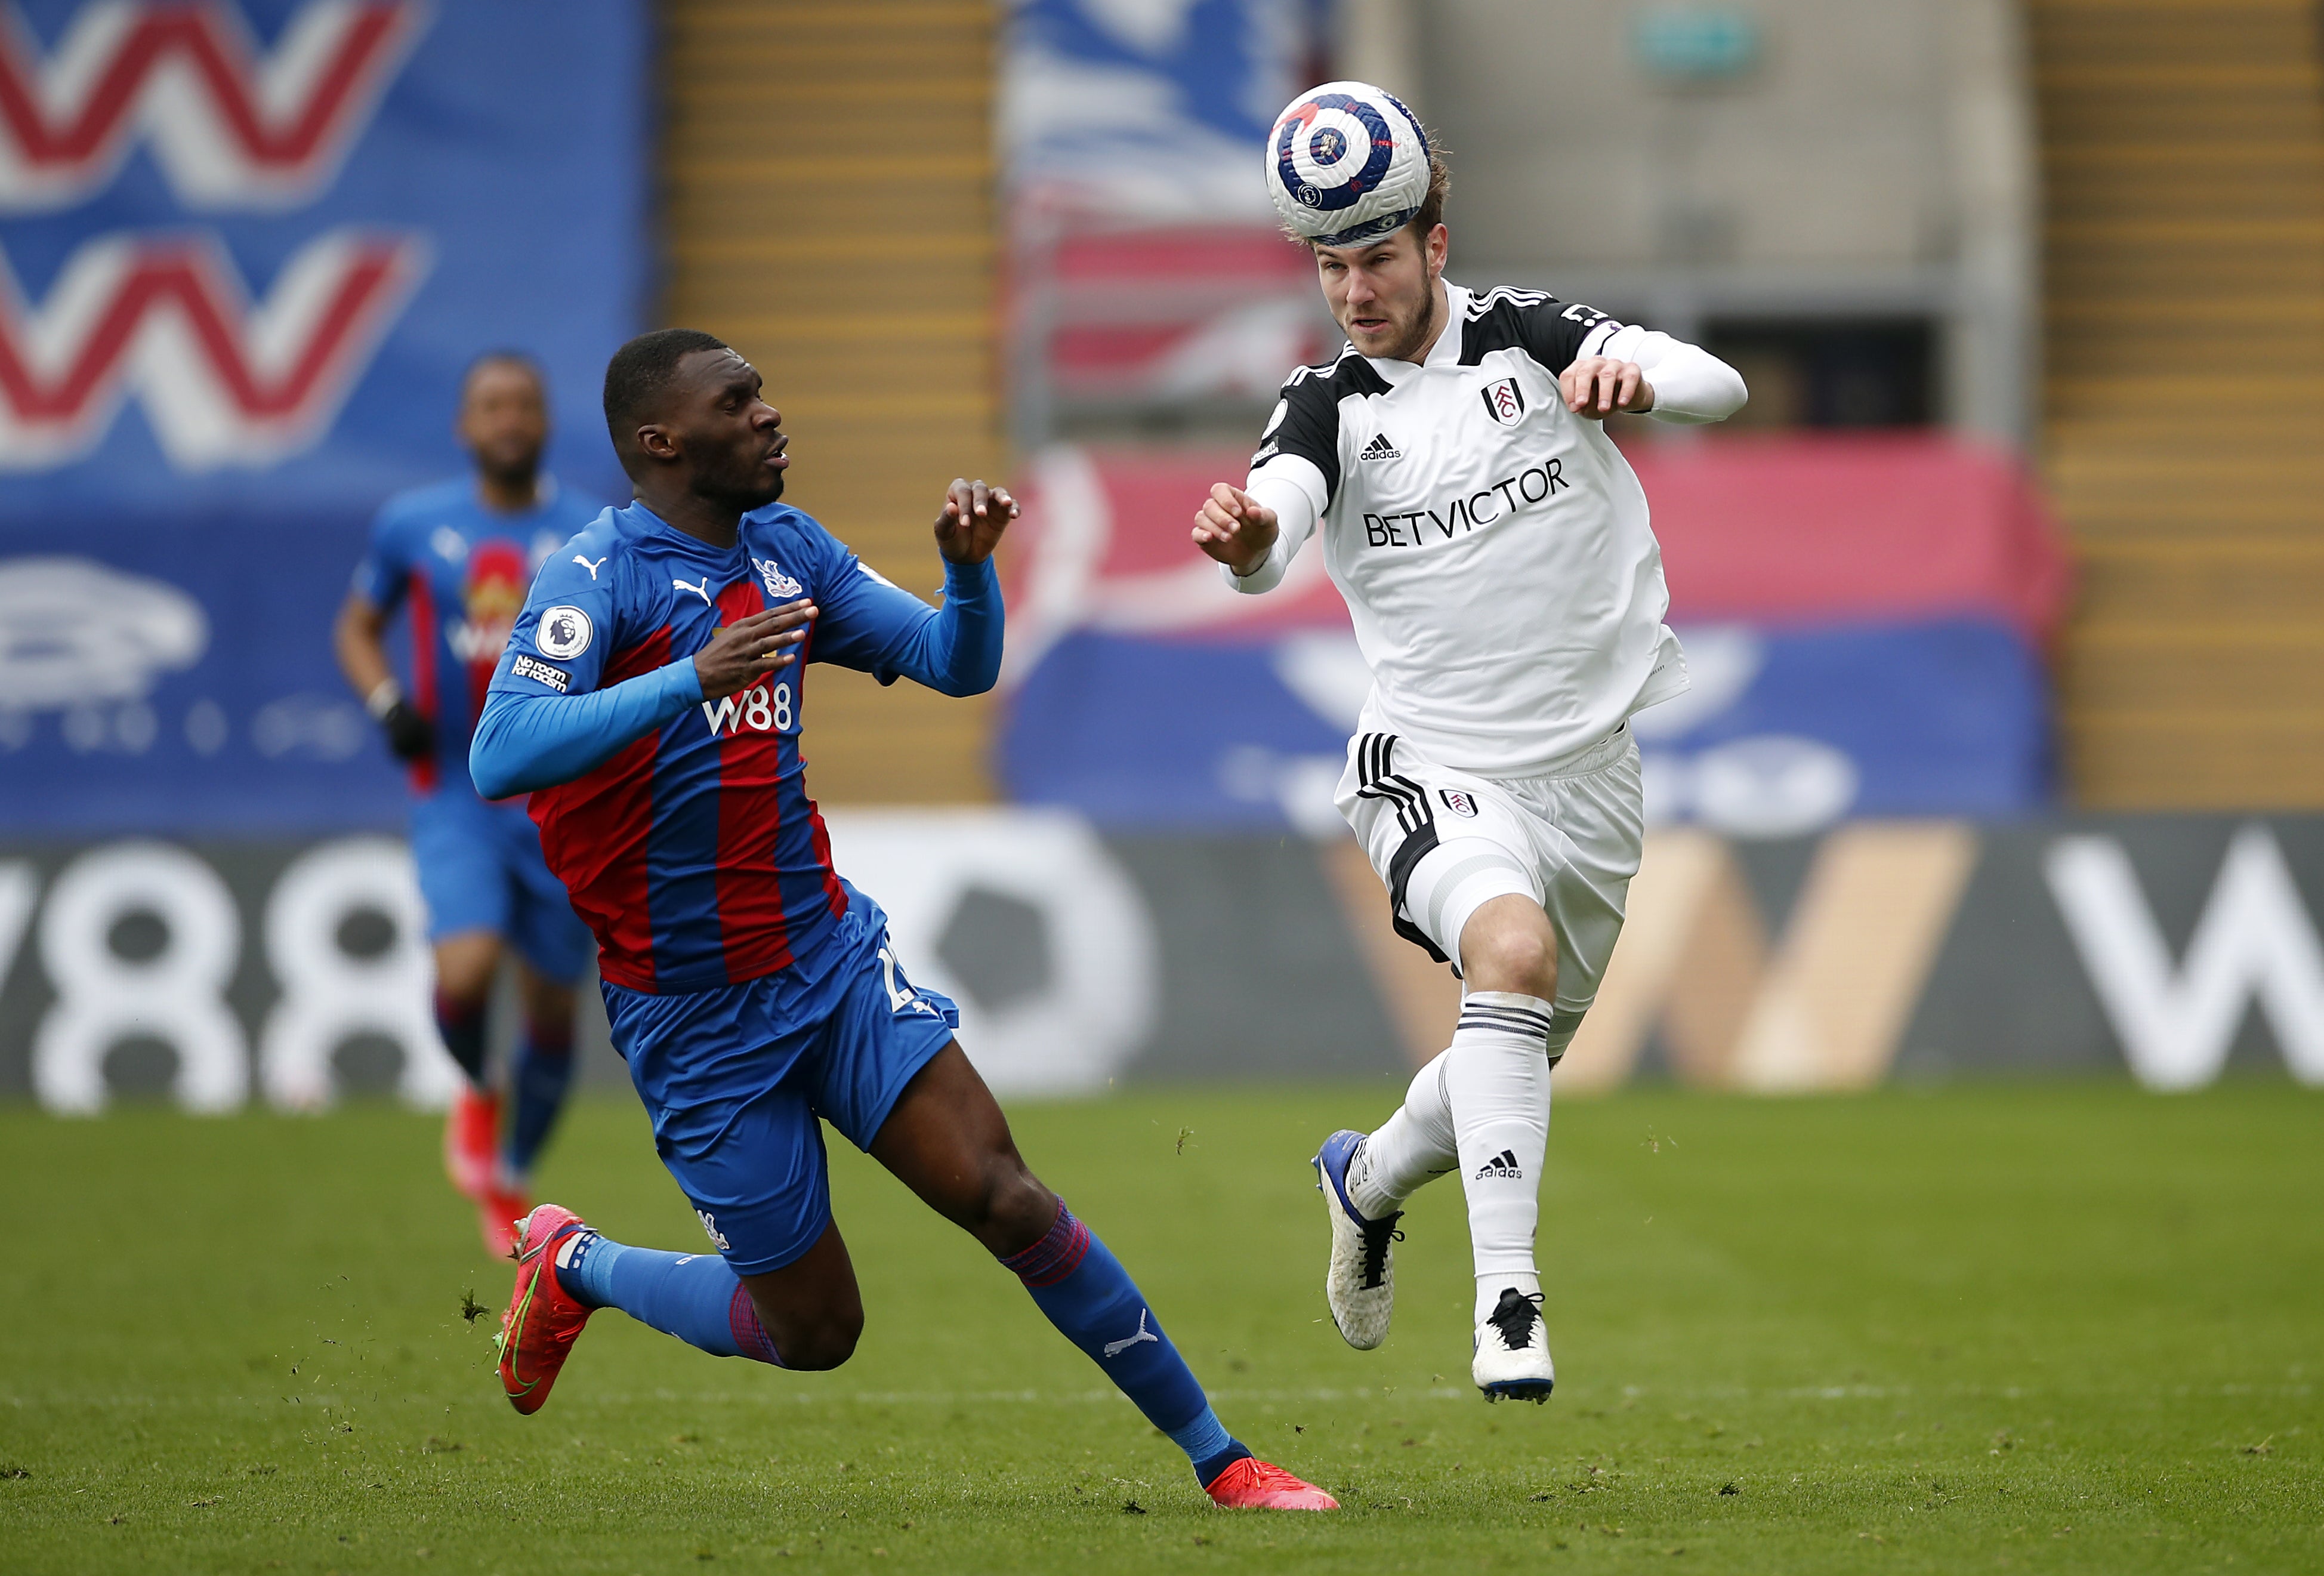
461, 569
682, 826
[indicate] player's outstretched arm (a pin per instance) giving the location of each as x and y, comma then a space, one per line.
885, 631
1236, 529
1651, 373
526, 741
1596, 386
970, 524
1254, 534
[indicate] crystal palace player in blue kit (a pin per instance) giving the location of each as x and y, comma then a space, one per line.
652, 699
458, 557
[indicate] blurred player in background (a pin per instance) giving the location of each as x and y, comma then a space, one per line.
1493, 547
652, 699
460, 556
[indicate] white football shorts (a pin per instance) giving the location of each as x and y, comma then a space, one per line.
1446, 842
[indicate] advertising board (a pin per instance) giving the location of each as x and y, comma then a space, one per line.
247, 248
2175, 950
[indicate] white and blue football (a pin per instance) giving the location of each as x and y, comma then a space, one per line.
1346, 163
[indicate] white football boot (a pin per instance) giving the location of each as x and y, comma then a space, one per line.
1359, 1284
1512, 1361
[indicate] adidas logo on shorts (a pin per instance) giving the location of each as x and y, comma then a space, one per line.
1502, 1167
1380, 449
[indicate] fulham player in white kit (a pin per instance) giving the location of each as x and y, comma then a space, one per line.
1506, 592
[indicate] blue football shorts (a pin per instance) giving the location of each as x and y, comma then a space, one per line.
481, 868
736, 1078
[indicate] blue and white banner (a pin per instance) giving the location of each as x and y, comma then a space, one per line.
1783, 733
246, 249
1144, 694
1149, 110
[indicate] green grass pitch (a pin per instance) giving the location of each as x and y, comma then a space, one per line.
2026, 1328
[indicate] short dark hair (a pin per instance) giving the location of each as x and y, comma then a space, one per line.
639, 371
505, 355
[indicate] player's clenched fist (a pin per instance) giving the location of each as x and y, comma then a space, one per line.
1234, 528
974, 515
740, 653
1597, 386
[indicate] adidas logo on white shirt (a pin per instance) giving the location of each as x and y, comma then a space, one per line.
1380, 449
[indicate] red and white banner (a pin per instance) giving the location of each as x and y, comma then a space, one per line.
247, 249
224, 380
231, 126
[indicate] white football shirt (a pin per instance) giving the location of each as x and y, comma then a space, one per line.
1493, 547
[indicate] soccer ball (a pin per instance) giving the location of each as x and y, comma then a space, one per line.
1346, 163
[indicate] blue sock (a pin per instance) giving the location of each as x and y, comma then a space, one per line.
463, 1028
691, 1295
1086, 1294
543, 1073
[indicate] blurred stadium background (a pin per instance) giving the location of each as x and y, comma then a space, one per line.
2008, 723
2002, 773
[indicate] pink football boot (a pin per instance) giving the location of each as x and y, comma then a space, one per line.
1251, 1484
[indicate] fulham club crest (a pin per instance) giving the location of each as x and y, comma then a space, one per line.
1459, 802
1504, 400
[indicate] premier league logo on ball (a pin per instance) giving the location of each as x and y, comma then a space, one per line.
1346, 163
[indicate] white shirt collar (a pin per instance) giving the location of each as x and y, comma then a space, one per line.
1447, 351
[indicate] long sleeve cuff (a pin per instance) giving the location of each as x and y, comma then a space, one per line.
1296, 512
977, 622
1266, 577
957, 649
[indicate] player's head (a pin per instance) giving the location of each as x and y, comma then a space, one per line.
1358, 181
684, 407
1383, 291
504, 420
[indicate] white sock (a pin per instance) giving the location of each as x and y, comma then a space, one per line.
1489, 1288
1496, 1078
1412, 1146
